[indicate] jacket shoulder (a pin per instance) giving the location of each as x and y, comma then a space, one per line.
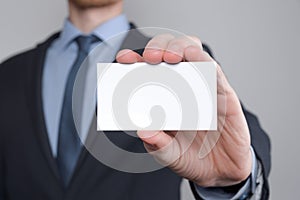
18, 59
22, 59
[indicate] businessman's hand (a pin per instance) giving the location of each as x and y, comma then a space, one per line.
225, 157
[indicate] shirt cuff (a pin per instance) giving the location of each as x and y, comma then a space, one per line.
218, 193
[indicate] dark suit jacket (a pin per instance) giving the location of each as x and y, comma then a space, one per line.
27, 167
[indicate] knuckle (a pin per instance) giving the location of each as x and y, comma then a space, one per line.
186, 41
196, 40
162, 38
165, 36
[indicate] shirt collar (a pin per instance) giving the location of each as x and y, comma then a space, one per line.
111, 28
104, 32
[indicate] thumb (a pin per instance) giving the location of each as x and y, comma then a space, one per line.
154, 140
162, 146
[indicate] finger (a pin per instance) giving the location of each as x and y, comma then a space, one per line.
196, 54
155, 48
127, 56
175, 51
154, 140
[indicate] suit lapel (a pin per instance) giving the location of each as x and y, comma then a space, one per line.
34, 88
135, 40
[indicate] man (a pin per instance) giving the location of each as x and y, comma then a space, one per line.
40, 157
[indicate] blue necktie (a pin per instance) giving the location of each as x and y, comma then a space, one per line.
69, 145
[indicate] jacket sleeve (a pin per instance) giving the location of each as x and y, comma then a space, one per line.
262, 147
2, 172
2, 175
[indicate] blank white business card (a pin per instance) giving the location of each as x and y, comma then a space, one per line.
156, 97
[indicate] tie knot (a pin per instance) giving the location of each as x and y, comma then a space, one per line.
84, 42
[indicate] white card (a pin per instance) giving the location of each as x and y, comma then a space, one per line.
156, 97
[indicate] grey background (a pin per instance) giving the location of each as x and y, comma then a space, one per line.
257, 42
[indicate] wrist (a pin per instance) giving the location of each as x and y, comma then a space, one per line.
229, 176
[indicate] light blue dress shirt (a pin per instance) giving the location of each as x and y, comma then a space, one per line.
59, 60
